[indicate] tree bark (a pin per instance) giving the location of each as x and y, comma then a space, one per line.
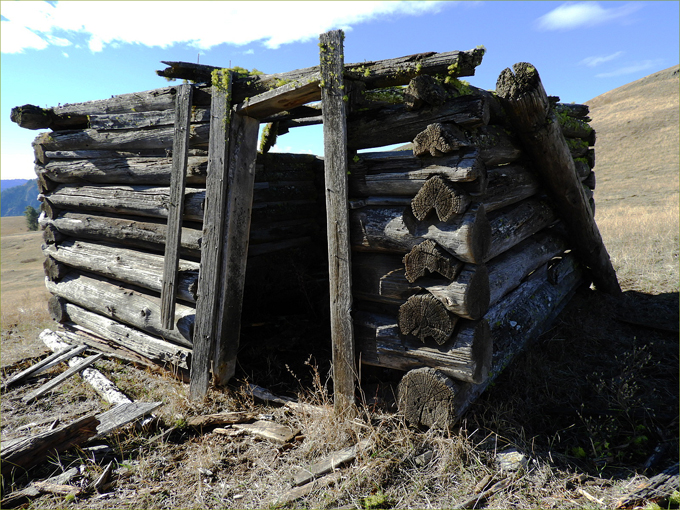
124, 303
527, 105
467, 356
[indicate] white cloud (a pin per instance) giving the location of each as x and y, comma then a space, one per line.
596, 61
203, 24
632, 68
583, 14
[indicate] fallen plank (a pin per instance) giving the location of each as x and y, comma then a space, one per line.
300, 492
18, 498
268, 430
123, 414
267, 396
50, 385
62, 355
56, 488
656, 489
328, 464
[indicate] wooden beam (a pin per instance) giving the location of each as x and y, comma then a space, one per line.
235, 237
211, 249
53, 383
337, 218
180, 158
281, 99
527, 106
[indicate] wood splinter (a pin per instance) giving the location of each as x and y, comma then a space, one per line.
446, 198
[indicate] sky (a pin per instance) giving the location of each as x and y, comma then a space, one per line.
62, 52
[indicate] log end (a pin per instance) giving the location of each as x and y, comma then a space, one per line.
524, 80
429, 257
426, 398
424, 316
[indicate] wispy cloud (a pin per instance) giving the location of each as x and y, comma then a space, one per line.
37, 25
633, 68
596, 61
572, 15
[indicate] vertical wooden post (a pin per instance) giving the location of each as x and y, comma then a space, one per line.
242, 156
180, 155
209, 276
337, 218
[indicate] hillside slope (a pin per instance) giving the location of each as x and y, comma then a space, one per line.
14, 201
637, 153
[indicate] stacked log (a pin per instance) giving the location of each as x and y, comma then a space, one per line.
105, 173
452, 230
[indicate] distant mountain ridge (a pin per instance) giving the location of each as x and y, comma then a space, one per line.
14, 200
10, 183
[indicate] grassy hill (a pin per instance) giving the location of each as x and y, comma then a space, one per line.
14, 200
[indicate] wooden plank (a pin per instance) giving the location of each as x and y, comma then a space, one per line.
30, 451
281, 99
527, 106
337, 218
41, 364
50, 385
180, 158
122, 414
268, 430
219, 419
212, 246
235, 236
330, 463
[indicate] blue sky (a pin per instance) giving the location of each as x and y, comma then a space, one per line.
73, 51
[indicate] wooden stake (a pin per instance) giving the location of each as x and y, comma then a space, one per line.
337, 218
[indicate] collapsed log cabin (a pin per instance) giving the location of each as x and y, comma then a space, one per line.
445, 258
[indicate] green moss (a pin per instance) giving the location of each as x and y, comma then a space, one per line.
392, 95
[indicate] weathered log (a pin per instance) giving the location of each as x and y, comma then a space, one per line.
515, 321
29, 116
508, 270
156, 350
381, 278
657, 489
54, 270
55, 307
466, 356
400, 173
143, 120
48, 362
429, 256
511, 225
577, 111
527, 105
589, 181
31, 451
576, 128
125, 265
281, 98
395, 124
157, 138
124, 303
467, 237
445, 198
438, 139
336, 132
376, 74
424, 316
428, 397
495, 145
506, 185
424, 90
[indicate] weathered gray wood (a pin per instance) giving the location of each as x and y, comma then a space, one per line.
31, 451
427, 397
54, 270
91, 139
528, 108
29, 116
335, 134
400, 173
466, 356
17, 378
235, 236
495, 145
467, 295
467, 237
213, 229
122, 414
429, 256
180, 158
395, 124
156, 350
53, 383
125, 303
376, 74
424, 90
511, 225
438, 139
274, 432
126, 265
657, 489
507, 185
328, 464
300, 492
218, 419
445, 198
141, 120
285, 97
424, 316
